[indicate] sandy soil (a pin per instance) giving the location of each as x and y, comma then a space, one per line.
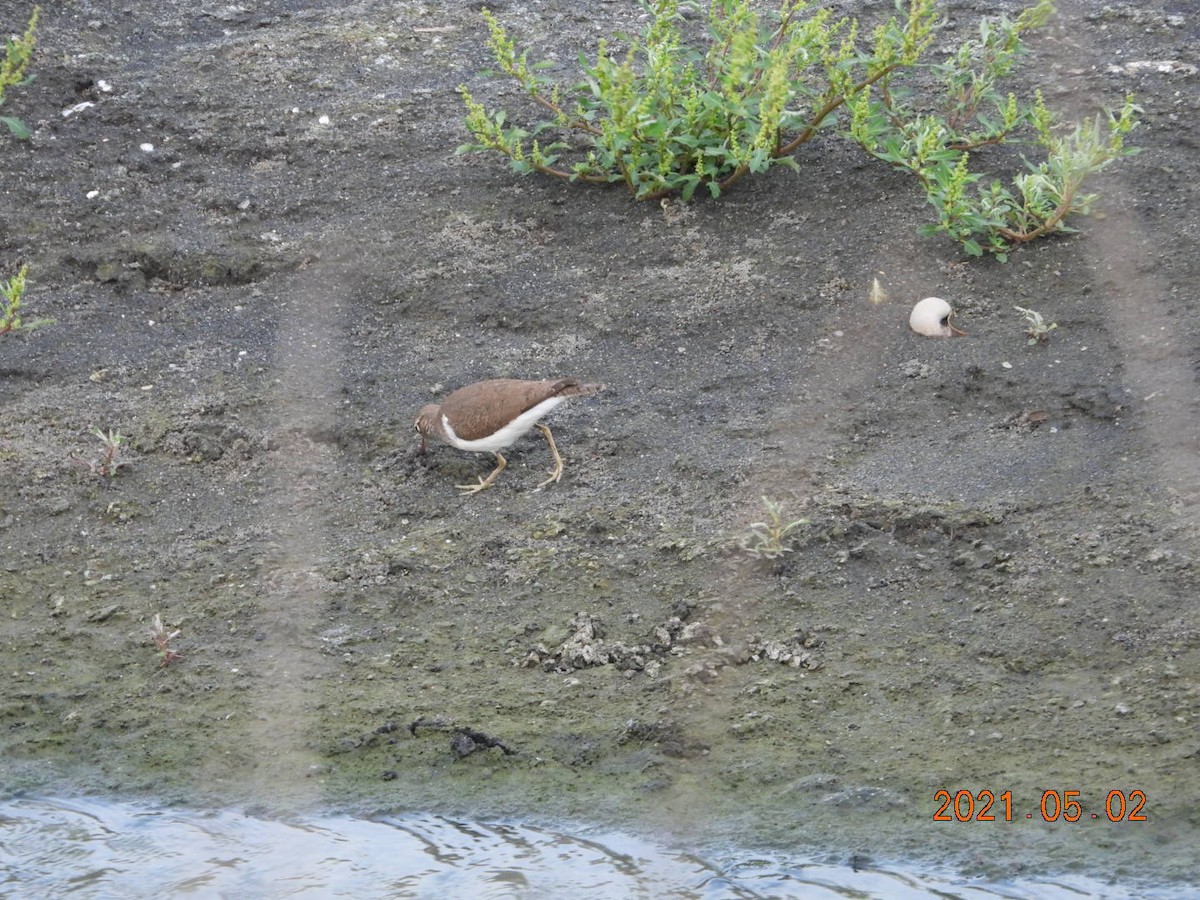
996, 590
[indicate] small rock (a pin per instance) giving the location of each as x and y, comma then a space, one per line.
103, 614
463, 745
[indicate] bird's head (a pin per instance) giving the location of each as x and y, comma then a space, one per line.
427, 424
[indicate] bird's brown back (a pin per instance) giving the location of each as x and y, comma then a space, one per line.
480, 409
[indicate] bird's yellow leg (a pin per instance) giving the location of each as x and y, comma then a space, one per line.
558, 463
484, 482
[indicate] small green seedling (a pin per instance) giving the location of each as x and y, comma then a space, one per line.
162, 640
769, 539
109, 462
1035, 326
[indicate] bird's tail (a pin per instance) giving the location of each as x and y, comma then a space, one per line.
571, 387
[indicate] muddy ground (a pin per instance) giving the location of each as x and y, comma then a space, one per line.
996, 589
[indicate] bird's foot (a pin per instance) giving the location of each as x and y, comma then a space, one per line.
474, 488
484, 483
554, 476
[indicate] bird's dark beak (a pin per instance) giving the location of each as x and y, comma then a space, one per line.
421, 447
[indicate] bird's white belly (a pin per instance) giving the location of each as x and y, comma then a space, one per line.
507, 435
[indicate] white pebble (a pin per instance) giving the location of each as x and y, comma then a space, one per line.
78, 107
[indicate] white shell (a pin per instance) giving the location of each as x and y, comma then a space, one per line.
931, 317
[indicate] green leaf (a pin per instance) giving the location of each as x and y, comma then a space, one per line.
972, 248
654, 130
17, 127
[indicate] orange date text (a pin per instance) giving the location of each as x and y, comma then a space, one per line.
1054, 806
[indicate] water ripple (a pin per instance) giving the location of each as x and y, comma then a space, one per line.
89, 848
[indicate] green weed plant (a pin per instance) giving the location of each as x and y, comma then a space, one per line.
770, 538
1037, 329
670, 116
11, 292
17, 52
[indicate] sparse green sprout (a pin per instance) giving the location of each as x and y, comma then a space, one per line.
109, 462
11, 292
162, 640
1035, 326
667, 117
17, 52
769, 539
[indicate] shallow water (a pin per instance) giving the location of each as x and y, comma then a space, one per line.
101, 849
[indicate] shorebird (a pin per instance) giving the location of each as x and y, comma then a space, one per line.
489, 416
